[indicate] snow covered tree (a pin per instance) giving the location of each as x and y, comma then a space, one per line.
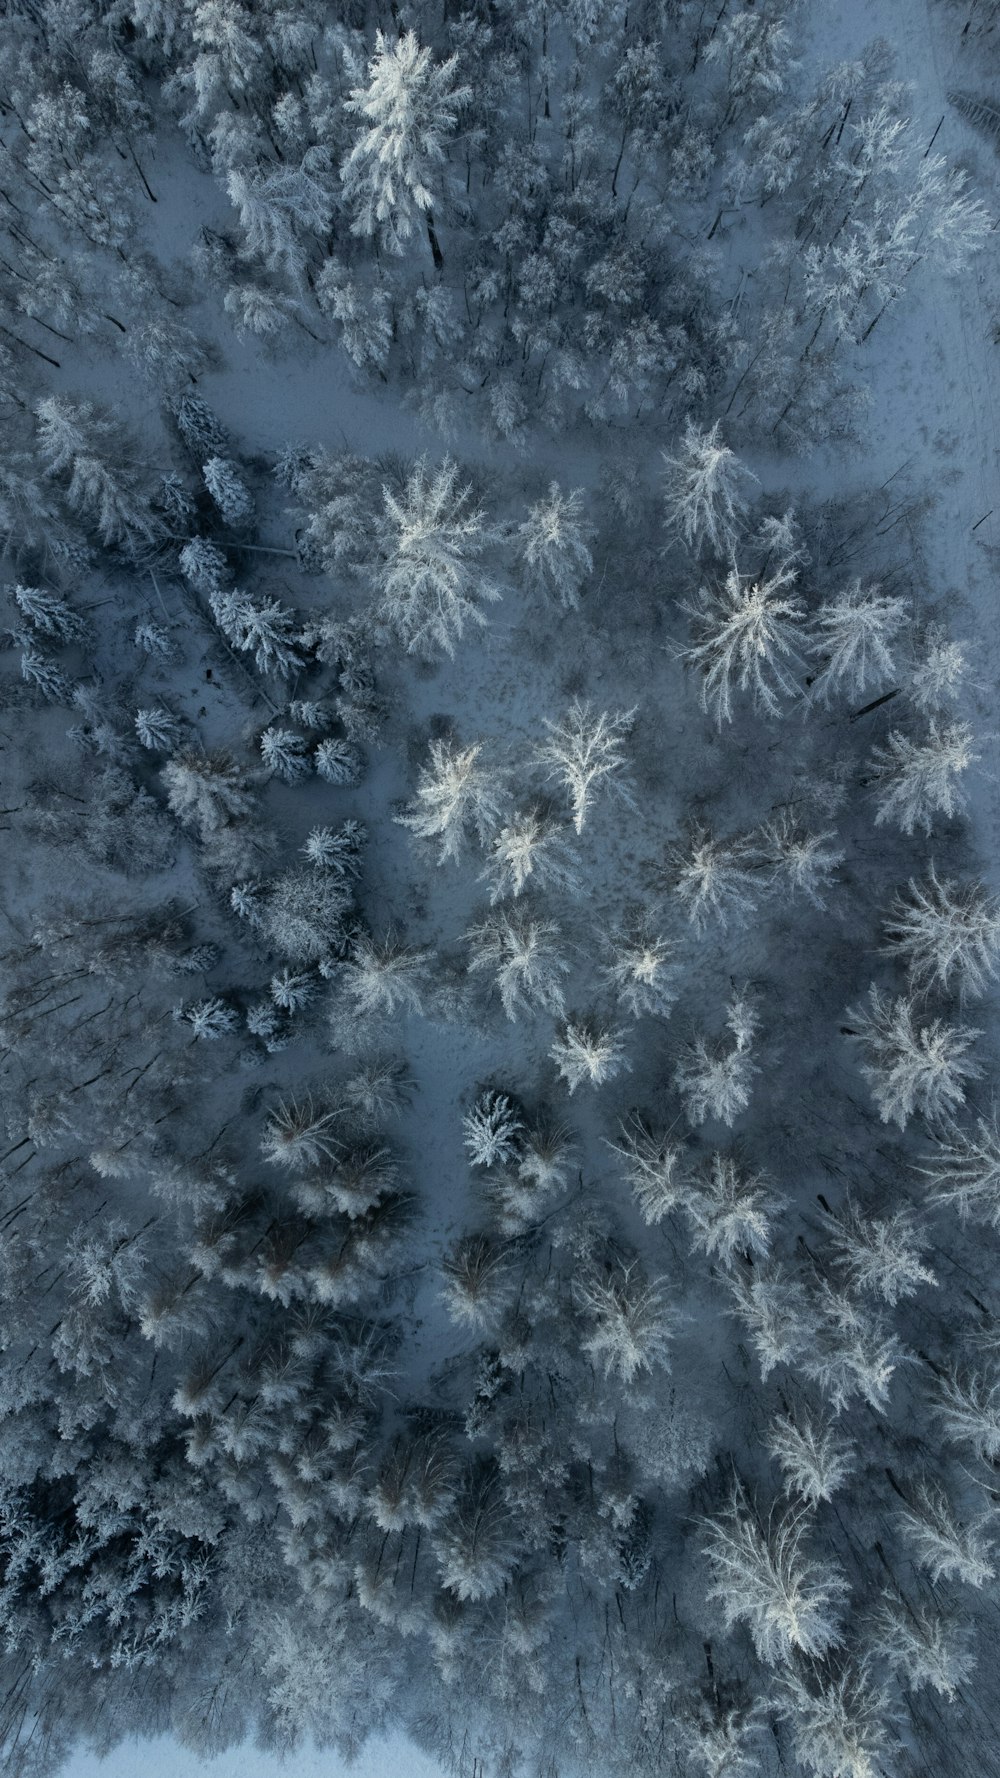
917, 780
947, 934
74, 437
477, 1282
762, 1576
429, 576
455, 793
853, 636
201, 430
774, 1308
209, 1019
206, 790
586, 1052
747, 637
301, 1133
229, 491
49, 615
40, 671
924, 1647
204, 564
714, 878
940, 674
522, 956
262, 627
529, 846
964, 1170
731, 1212
553, 542
801, 862
640, 972
940, 1542
338, 761
409, 109
631, 1320
475, 1543
157, 729
715, 1080
653, 1168
704, 490
492, 1130
968, 1408
284, 754
815, 1461
584, 753
304, 914
839, 1723
386, 978
880, 1254
912, 1066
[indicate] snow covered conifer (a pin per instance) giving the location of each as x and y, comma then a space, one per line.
839, 1723
40, 671
763, 1577
284, 754
204, 564
49, 615
476, 1282
586, 1052
200, 428
408, 110
157, 729
747, 636
852, 637
704, 498
338, 761
521, 954
206, 790
927, 1648
210, 1019
301, 1133
917, 780
968, 1408
947, 934
801, 861
584, 753
475, 1543
429, 576
912, 1066
304, 914
964, 1170
492, 1130
229, 491
454, 793
880, 1254
554, 546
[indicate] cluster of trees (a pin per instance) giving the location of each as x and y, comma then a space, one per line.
656, 965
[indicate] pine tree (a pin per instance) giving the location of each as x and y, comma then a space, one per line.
284, 754
204, 564
801, 862
853, 636
653, 1168
157, 729
338, 761
731, 1212
229, 491
640, 971
714, 878
839, 1723
716, 1081
941, 1543
880, 1254
631, 1321
476, 1282
48, 615
409, 108
964, 1170
814, 1460
529, 846
206, 790
385, 978
492, 1131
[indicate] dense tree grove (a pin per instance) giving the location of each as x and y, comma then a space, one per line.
500, 1178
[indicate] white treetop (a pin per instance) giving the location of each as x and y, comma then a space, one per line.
584, 752
455, 793
409, 108
912, 1065
747, 637
554, 546
703, 490
919, 779
429, 577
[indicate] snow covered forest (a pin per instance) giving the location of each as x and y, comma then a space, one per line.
500, 882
